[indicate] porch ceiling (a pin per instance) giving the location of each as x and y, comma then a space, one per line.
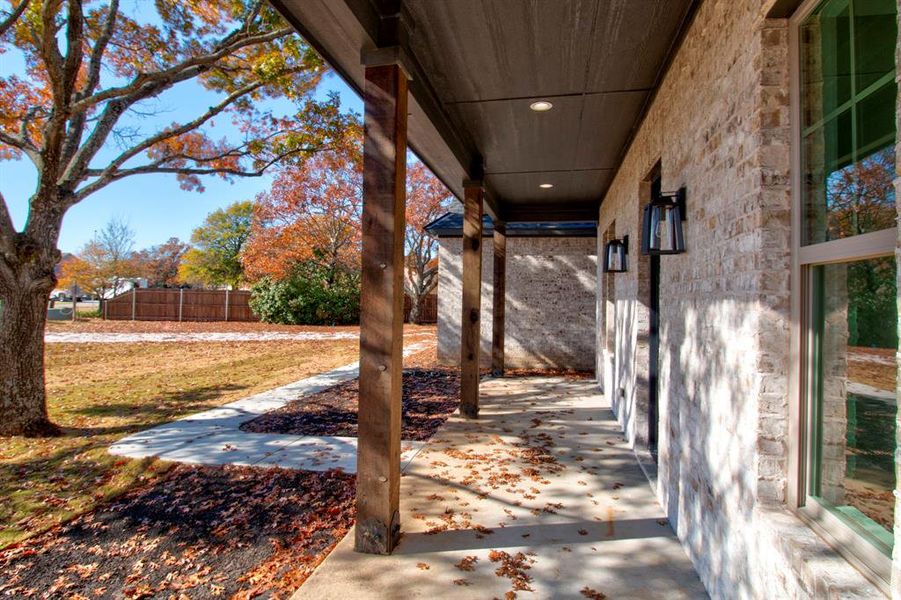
477, 65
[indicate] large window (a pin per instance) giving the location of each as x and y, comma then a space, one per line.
853, 310
847, 272
848, 95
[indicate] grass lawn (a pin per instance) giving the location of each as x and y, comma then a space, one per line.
95, 325
174, 531
102, 392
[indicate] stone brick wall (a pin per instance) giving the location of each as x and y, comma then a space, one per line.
719, 125
550, 307
896, 551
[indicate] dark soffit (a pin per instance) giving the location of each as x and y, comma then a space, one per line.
451, 225
480, 63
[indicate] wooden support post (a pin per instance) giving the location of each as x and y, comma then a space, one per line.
381, 309
181, 301
470, 322
134, 301
499, 298
226, 305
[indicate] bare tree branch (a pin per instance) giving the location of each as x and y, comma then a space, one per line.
78, 165
145, 86
79, 119
50, 53
61, 73
74, 47
97, 52
13, 140
181, 72
111, 114
10, 20
108, 119
20, 144
159, 167
30, 114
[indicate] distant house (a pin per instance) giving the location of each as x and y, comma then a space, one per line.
126, 285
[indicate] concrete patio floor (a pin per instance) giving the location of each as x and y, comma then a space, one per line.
543, 472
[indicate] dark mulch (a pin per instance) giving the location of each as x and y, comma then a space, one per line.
565, 373
202, 532
430, 396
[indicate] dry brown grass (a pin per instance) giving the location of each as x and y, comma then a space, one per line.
94, 325
102, 392
875, 367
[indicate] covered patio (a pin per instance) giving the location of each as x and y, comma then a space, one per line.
501, 101
540, 494
704, 138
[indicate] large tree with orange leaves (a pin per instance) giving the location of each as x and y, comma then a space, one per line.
89, 65
427, 199
311, 213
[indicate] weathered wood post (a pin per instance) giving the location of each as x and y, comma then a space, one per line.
499, 298
470, 322
381, 306
134, 300
181, 302
226, 305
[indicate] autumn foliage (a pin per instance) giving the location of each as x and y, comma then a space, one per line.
859, 198
312, 212
427, 199
94, 70
310, 222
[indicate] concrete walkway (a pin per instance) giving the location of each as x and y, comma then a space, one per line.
214, 437
540, 497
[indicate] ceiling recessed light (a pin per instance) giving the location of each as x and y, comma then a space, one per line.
546, 185
541, 106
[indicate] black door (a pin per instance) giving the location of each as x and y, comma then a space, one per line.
654, 344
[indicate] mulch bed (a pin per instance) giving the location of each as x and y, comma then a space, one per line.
565, 373
430, 396
202, 532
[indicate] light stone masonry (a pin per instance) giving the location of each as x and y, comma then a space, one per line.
720, 125
550, 304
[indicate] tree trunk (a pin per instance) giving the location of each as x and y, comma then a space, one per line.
23, 400
415, 308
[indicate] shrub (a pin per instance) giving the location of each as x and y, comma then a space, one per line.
311, 295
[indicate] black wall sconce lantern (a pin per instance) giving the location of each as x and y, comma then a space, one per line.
616, 254
661, 228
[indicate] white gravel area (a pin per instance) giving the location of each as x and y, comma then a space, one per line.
248, 336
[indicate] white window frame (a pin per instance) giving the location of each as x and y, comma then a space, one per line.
862, 554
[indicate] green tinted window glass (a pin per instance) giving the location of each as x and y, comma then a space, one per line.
874, 34
848, 106
853, 391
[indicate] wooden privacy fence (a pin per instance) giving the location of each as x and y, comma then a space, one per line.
164, 304
429, 312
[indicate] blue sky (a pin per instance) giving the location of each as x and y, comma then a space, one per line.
154, 205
